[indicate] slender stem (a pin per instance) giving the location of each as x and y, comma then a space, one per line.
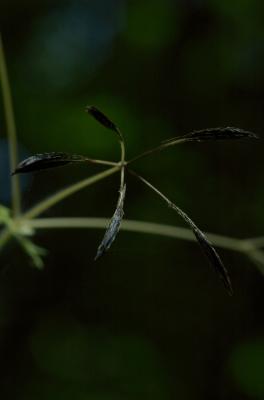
134, 226
101, 162
139, 227
62, 194
257, 242
11, 130
151, 187
123, 155
156, 149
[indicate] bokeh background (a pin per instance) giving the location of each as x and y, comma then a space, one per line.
150, 320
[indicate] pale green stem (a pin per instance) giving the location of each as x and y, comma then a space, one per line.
11, 130
257, 242
239, 245
101, 162
135, 226
68, 191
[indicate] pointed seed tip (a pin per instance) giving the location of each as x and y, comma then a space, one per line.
229, 288
252, 135
98, 255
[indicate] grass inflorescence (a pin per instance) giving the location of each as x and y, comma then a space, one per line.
22, 226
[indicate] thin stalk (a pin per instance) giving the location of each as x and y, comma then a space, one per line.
157, 149
151, 187
64, 193
134, 226
122, 157
143, 227
122, 161
11, 131
257, 242
101, 162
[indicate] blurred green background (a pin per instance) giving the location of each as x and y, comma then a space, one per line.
150, 320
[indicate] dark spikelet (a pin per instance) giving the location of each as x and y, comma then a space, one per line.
208, 249
114, 225
103, 119
38, 162
226, 133
206, 246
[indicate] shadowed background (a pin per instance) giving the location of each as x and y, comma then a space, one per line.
150, 320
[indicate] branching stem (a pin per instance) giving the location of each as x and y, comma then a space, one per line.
21, 224
156, 149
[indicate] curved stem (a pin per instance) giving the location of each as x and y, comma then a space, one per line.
144, 227
239, 245
256, 242
135, 226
